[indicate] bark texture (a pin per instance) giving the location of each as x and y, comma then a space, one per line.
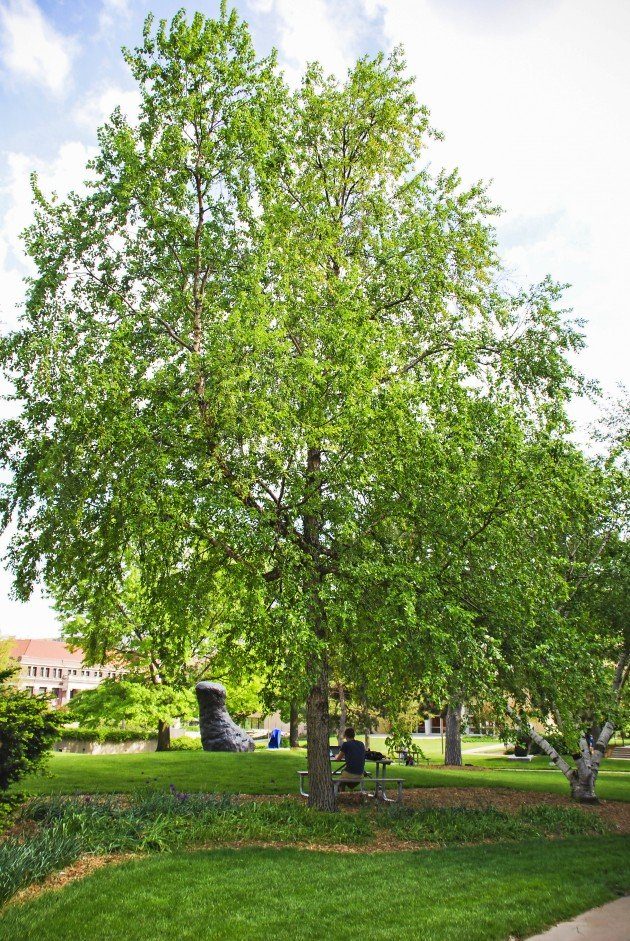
294, 726
163, 736
321, 794
453, 734
320, 787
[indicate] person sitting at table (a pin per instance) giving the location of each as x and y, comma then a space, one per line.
353, 753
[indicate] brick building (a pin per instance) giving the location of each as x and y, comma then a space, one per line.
49, 667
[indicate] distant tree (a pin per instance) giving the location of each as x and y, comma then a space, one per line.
28, 728
167, 636
139, 705
572, 672
243, 698
6, 644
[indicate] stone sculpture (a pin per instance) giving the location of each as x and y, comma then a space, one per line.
218, 730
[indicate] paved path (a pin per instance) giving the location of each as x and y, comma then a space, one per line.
483, 749
610, 922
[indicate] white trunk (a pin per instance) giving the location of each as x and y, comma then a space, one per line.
583, 777
599, 749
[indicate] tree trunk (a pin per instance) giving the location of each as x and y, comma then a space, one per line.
366, 734
453, 738
164, 736
321, 793
320, 786
583, 777
343, 715
294, 726
583, 784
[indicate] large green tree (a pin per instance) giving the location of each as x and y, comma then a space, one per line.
242, 349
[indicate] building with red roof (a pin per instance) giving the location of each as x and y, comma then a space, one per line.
51, 668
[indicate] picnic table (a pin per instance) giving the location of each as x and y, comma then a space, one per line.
380, 770
379, 780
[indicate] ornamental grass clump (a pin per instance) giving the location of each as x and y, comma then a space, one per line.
291, 822
29, 860
158, 820
54, 831
547, 820
448, 825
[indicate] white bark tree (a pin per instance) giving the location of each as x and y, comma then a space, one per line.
582, 774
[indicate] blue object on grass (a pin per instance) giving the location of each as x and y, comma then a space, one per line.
275, 738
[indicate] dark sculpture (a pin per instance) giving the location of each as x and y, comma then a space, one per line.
218, 731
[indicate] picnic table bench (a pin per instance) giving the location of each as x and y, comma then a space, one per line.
416, 753
370, 787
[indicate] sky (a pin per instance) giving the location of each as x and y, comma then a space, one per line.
531, 95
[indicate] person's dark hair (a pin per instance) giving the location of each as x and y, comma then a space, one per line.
349, 732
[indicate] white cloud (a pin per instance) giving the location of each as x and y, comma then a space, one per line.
324, 32
32, 49
112, 11
96, 107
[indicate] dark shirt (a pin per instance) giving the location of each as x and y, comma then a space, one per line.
354, 753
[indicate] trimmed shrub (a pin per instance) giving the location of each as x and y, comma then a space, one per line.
186, 744
106, 735
29, 728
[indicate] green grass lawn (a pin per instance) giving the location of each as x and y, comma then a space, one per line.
433, 749
265, 772
479, 893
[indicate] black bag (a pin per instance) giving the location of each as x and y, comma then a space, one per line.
374, 755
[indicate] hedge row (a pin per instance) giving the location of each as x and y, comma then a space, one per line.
106, 735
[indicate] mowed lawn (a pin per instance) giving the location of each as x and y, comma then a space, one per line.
471, 893
493, 755
268, 772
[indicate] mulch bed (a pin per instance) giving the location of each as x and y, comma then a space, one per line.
615, 813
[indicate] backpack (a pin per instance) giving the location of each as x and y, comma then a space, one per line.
373, 755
